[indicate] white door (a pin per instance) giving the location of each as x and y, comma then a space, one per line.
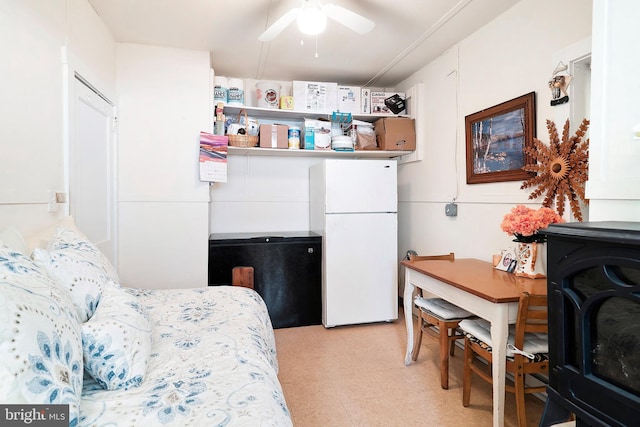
91, 167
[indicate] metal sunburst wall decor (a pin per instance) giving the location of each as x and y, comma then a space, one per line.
561, 168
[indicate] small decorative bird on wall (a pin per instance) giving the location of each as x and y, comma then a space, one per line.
559, 82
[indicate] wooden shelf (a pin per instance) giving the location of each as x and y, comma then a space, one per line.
281, 152
272, 114
290, 115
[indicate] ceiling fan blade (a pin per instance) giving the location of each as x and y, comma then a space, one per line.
278, 26
349, 19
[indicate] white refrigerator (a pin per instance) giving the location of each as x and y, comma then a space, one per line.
353, 205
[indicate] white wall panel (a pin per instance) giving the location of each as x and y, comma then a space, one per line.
31, 36
95, 56
163, 104
263, 194
163, 244
507, 58
232, 217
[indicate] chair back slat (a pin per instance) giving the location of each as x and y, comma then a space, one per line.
447, 257
532, 317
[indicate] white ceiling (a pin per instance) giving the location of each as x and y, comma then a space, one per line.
408, 35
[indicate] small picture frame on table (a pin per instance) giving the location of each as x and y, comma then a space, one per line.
508, 261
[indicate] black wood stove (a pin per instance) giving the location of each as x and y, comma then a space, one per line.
594, 323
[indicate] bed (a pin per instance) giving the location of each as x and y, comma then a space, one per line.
118, 356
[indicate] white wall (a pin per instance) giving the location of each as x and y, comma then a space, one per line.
509, 57
614, 176
164, 102
33, 34
263, 194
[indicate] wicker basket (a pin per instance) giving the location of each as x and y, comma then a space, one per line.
243, 140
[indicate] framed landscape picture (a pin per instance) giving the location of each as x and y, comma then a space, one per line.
496, 138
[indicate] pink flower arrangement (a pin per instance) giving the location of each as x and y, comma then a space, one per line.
524, 221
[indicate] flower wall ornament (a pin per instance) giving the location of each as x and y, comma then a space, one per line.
561, 168
524, 223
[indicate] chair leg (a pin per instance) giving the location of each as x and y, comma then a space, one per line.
466, 377
519, 395
444, 356
417, 340
452, 343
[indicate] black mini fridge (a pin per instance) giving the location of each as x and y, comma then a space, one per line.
287, 271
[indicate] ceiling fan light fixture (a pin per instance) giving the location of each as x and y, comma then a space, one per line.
311, 20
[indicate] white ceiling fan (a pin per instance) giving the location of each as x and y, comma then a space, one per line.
312, 16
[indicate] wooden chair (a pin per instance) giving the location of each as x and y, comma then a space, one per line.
530, 336
437, 313
448, 257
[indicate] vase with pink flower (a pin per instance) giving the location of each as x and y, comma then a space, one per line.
524, 224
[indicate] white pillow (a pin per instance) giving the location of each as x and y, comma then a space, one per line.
78, 266
11, 237
40, 239
116, 341
441, 308
40, 341
534, 343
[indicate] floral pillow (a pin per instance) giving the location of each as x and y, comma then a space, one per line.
78, 266
116, 340
40, 341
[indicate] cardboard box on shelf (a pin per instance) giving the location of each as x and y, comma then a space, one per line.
396, 133
378, 105
364, 135
315, 97
349, 99
274, 136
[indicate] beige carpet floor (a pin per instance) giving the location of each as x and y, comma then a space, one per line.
355, 376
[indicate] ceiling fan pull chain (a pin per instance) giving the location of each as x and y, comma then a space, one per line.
316, 45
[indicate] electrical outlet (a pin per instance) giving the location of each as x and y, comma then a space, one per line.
61, 197
451, 209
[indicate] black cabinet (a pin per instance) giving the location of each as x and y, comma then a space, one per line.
287, 271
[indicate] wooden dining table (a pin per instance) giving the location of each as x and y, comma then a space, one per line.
480, 289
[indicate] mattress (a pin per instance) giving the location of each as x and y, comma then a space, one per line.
212, 363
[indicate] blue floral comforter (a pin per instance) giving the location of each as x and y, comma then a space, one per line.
213, 363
